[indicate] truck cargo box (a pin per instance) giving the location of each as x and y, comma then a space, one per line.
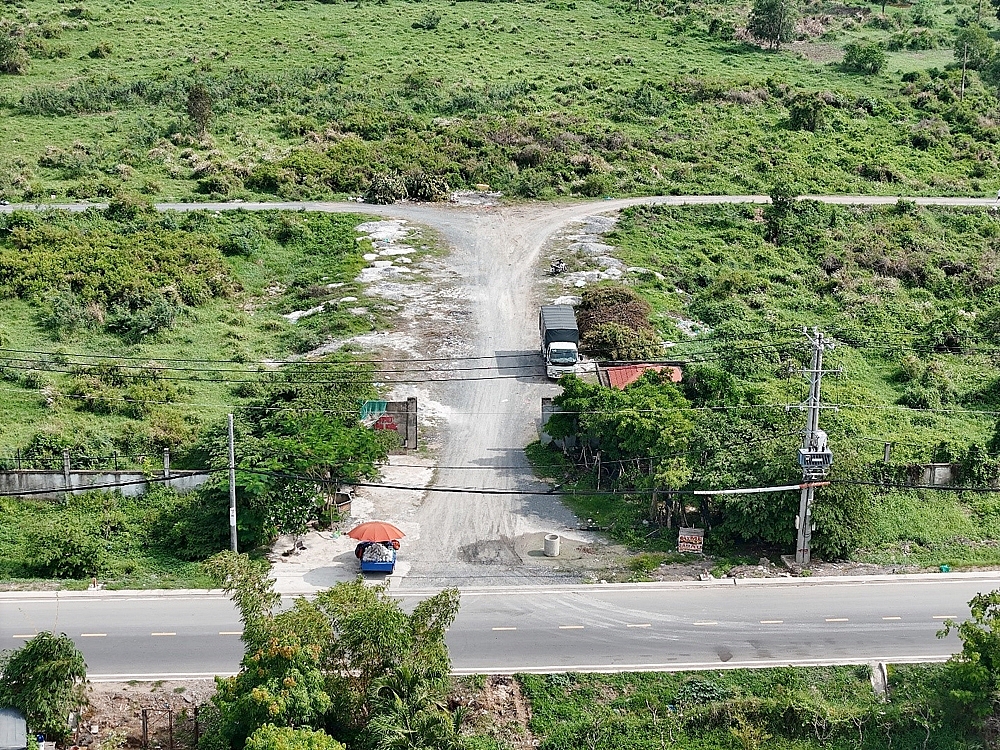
558, 323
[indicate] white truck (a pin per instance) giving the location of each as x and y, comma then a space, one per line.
560, 339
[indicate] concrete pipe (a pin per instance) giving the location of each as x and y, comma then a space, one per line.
551, 548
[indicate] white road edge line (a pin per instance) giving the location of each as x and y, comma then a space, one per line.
699, 666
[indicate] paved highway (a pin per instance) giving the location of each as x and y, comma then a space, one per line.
155, 635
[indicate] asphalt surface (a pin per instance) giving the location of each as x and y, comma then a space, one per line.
718, 625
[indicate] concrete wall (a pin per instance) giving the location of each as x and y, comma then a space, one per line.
30, 483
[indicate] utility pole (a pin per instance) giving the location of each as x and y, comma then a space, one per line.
815, 456
232, 487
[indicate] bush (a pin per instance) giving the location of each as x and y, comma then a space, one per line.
864, 57
13, 58
617, 342
146, 321
66, 549
102, 50
387, 187
807, 112
428, 21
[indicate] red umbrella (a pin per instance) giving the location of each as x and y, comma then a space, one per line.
375, 531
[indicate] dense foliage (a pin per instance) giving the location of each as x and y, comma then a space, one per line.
909, 294
43, 680
350, 662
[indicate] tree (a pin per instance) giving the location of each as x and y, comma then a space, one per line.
864, 57
772, 21
780, 210
299, 436
975, 670
322, 663
199, 107
270, 737
43, 680
973, 47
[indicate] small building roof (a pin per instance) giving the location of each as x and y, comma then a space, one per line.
620, 376
13, 730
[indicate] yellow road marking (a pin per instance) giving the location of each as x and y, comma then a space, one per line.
163, 633
571, 627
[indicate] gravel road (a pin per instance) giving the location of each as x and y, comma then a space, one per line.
477, 539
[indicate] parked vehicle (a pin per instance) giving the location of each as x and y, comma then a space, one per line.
560, 339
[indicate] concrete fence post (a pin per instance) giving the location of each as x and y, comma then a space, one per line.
166, 463
411, 423
66, 468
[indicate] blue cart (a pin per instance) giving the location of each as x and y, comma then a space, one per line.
372, 566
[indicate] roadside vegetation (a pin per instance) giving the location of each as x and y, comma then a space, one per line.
909, 295
314, 99
125, 332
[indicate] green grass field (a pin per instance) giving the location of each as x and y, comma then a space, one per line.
314, 99
790, 709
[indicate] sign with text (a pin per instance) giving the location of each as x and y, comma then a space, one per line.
691, 540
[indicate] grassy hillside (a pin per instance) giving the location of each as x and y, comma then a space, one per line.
909, 295
310, 99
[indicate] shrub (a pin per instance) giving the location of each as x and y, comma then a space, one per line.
66, 549
864, 57
387, 187
595, 185
102, 50
612, 304
13, 58
421, 186
617, 342
428, 21
136, 325
806, 112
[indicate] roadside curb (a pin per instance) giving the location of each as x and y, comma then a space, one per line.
581, 588
908, 578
